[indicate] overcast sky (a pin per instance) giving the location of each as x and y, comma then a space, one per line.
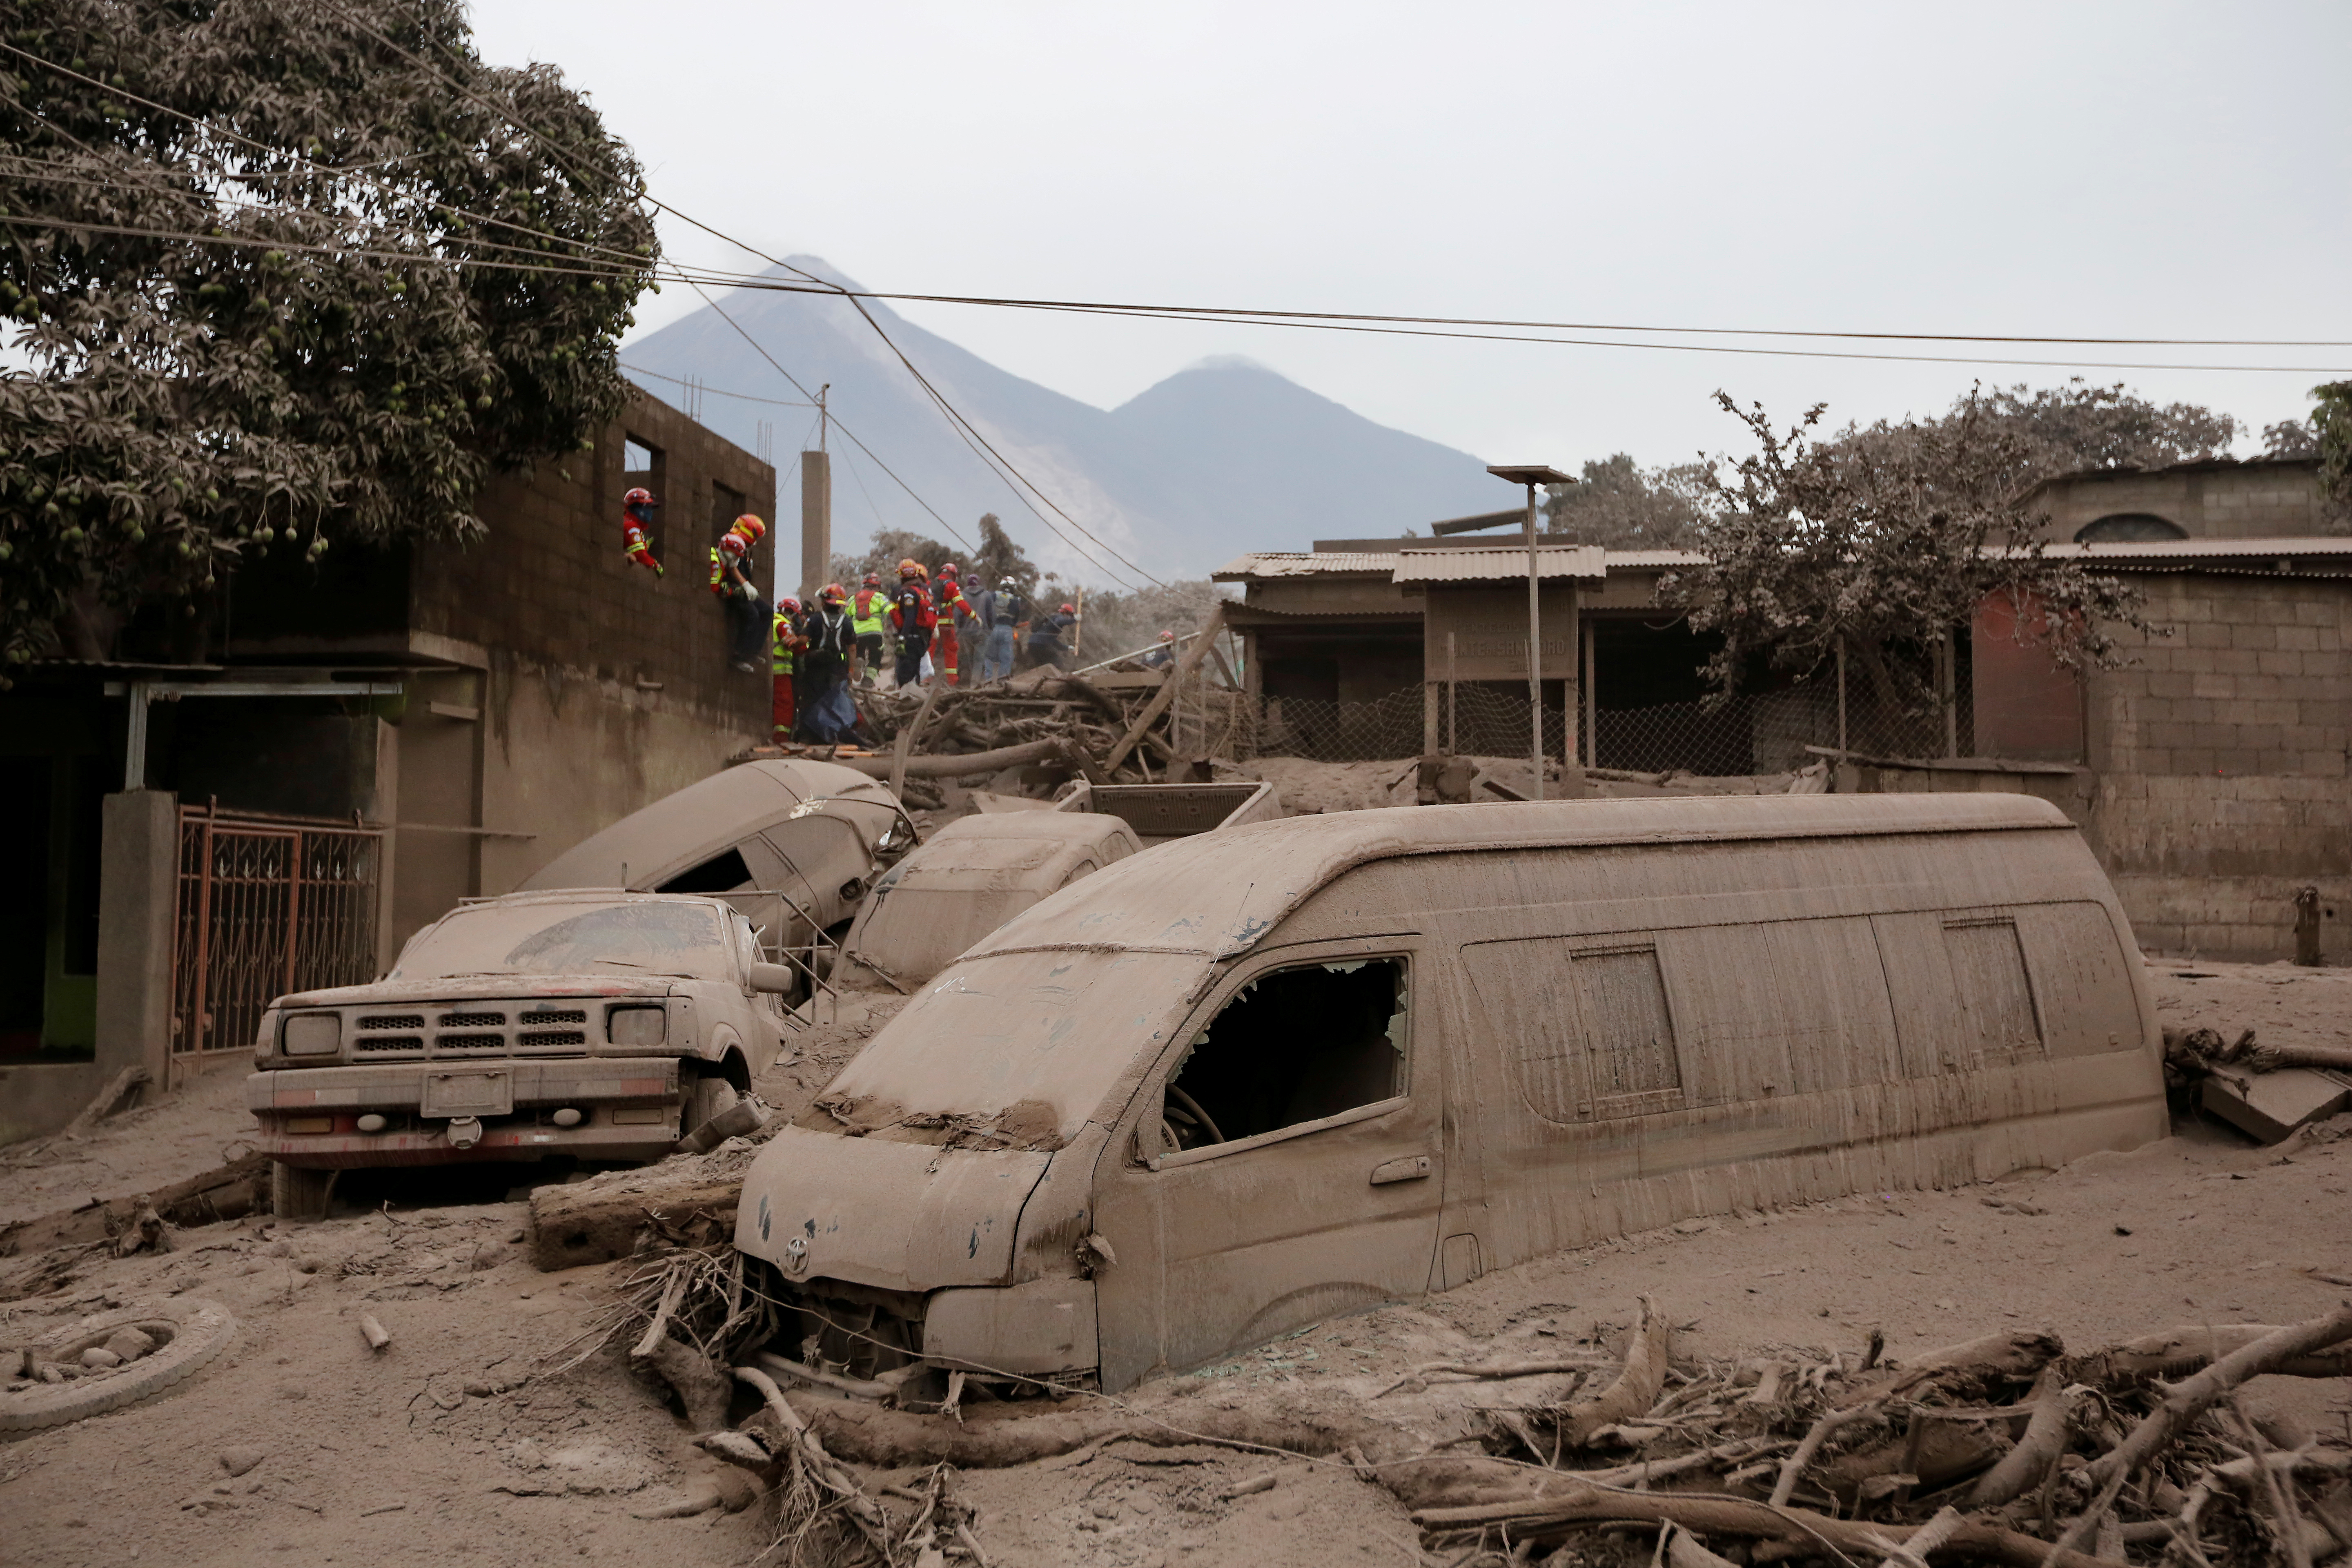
2126, 170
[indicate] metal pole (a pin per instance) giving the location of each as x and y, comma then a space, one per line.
1591, 752
1535, 657
1841, 666
1454, 725
134, 738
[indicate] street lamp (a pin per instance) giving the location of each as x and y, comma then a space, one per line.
1532, 475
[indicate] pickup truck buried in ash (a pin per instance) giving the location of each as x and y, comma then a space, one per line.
593, 1025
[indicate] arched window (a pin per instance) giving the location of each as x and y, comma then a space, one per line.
2128, 527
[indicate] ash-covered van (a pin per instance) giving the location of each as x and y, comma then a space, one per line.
1294, 1068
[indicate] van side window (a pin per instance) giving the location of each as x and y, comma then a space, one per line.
1294, 1045
1588, 1029
1629, 1037
1989, 969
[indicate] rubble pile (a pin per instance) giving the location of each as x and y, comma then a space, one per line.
1043, 725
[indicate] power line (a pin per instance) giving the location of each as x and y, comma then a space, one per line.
719, 391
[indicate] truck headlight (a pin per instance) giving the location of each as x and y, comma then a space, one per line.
637, 1027
313, 1033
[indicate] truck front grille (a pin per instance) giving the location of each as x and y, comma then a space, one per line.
389, 1042
551, 1039
473, 1020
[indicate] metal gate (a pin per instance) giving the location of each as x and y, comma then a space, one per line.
267, 905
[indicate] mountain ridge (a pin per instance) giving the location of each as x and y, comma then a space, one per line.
1220, 457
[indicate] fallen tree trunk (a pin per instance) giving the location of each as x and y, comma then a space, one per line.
596, 1221
2174, 1353
225, 1192
984, 1441
1579, 1504
970, 762
2189, 1400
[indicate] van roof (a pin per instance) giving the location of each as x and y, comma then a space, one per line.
703, 819
1217, 894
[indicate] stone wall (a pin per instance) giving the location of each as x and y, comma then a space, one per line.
2224, 765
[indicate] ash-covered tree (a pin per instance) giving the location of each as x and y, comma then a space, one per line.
999, 558
285, 273
2331, 421
885, 550
2067, 429
1884, 545
1620, 505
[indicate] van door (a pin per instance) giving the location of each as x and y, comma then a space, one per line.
1282, 1165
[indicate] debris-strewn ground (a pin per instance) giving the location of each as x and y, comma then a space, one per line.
453, 1445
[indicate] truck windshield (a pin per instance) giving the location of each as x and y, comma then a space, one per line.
1030, 1043
640, 937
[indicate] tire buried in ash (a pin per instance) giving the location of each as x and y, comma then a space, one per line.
191, 1334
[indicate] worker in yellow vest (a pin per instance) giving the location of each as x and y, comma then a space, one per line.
783, 658
867, 609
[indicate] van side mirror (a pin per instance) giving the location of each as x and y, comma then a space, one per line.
774, 979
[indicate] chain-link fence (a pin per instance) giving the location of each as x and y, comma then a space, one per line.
1767, 732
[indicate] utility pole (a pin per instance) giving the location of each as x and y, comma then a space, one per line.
1532, 475
816, 507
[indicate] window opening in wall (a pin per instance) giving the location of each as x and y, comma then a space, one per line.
637, 458
1989, 971
1294, 1045
2128, 527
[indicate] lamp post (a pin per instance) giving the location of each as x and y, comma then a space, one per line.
1532, 475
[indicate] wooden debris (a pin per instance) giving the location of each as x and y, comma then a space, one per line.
378, 1337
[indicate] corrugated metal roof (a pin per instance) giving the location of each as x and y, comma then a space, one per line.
1578, 561
2201, 549
1263, 564
1651, 560
1216, 894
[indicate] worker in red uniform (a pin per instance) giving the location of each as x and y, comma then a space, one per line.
912, 613
731, 578
783, 658
637, 529
950, 606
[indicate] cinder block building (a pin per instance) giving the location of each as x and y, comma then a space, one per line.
2212, 775
280, 792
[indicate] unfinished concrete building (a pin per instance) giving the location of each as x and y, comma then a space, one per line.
278, 794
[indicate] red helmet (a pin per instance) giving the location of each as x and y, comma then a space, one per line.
788, 603
639, 500
833, 593
947, 568
911, 567
1070, 609
750, 528
873, 579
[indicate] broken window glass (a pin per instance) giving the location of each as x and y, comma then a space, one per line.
1294, 1045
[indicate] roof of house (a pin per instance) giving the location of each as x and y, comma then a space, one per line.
2194, 466
1580, 562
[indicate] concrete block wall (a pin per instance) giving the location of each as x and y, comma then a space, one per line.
2224, 764
2263, 498
551, 586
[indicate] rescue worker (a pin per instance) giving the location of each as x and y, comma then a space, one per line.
731, 578
637, 527
912, 615
826, 644
867, 609
1008, 614
1162, 656
783, 653
948, 605
1046, 637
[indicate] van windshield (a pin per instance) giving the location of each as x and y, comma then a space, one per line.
1016, 1050
638, 937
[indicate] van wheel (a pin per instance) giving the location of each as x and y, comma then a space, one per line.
297, 1194
709, 1095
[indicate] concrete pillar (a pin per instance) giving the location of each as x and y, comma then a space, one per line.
137, 901
816, 522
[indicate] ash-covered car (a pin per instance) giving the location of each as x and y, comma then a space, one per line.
594, 1025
